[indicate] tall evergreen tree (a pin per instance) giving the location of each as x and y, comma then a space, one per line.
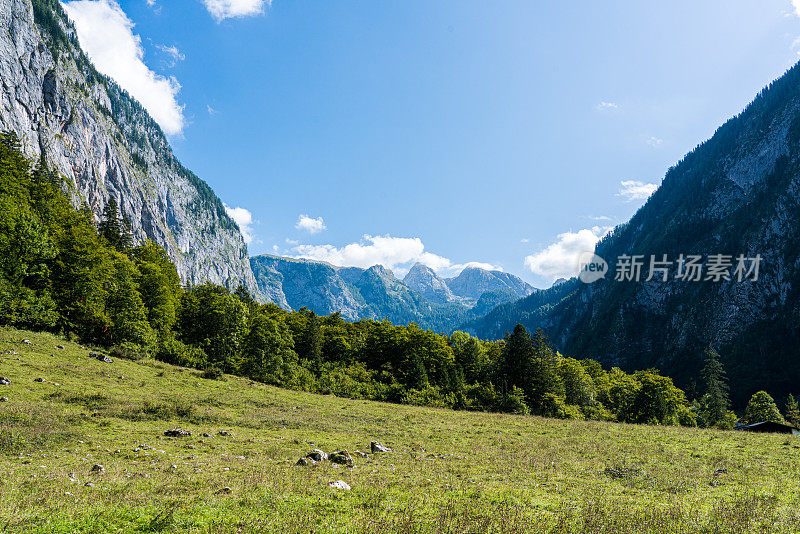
716, 400
792, 411
110, 226
515, 360
542, 379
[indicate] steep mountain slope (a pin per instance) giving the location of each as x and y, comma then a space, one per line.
423, 280
738, 193
422, 297
106, 145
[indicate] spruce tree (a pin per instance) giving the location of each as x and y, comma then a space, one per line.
515, 360
110, 227
542, 379
792, 411
715, 400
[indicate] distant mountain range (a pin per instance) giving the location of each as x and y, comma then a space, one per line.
422, 296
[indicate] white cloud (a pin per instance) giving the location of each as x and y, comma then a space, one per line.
395, 253
243, 219
106, 34
634, 190
524, 240
211, 111
654, 141
224, 9
599, 218
310, 224
796, 6
560, 259
172, 53
606, 106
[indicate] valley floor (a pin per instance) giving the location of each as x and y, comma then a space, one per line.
448, 472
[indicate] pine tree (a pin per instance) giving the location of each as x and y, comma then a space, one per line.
792, 411
313, 343
541, 379
515, 359
110, 227
715, 400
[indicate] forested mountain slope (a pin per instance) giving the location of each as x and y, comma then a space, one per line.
736, 194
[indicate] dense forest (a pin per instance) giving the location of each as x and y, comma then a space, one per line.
62, 272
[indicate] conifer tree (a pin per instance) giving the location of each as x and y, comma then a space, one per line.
110, 227
715, 400
792, 411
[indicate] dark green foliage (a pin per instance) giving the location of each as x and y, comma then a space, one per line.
792, 412
715, 401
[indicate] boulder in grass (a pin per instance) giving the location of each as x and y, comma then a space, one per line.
3, 399
100, 357
341, 457
177, 433
317, 455
305, 462
340, 484
98, 469
377, 447
4, 381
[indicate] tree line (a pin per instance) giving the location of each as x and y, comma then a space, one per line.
62, 272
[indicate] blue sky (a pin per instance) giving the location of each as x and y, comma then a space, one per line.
510, 133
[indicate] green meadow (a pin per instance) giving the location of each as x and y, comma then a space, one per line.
448, 471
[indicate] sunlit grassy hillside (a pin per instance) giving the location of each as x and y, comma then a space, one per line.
448, 472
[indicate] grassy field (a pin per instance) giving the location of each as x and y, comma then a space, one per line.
448, 472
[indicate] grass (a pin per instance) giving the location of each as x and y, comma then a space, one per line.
449, 471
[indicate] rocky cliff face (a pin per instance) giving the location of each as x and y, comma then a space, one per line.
106, 145
473, 282
738, 193
423, 280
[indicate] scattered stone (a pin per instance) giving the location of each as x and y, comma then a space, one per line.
341, 457
88, 485
40, 379
4, 381
68, 493
27, 341
224, 491
340, 484
100, 357
317, 455
60, 347
361, 454
305, 462
206, 435
173, 466
3, 399
97, 469
177, 433
224, 433
377, 447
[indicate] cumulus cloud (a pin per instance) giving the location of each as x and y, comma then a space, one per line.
106, 34
225, 9
395, 253
561, 259
634, 190
606, 106
796, 6
310, 224
244, 220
